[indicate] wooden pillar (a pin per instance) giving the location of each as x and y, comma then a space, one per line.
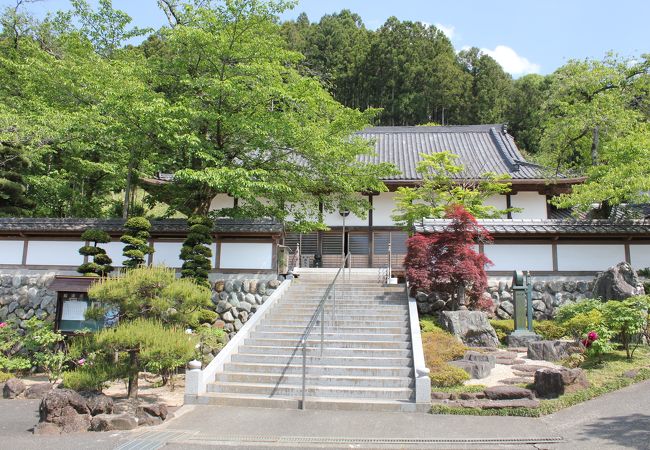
25, 248
554, 250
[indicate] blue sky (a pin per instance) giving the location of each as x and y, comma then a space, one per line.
523, 35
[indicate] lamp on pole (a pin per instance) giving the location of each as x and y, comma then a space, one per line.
344, 213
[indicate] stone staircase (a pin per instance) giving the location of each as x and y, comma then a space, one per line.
367, 363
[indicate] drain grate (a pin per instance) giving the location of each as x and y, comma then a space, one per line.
378, 441
153, 440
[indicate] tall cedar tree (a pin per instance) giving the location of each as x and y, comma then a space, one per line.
196, 252
101, 262
136, 238
13, 199
447, 262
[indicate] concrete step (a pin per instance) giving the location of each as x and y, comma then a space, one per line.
318, 370
333, 329
327, 351
330, 343
214, 398
393, 337
313, 358
287, 390
315, 380
342, 313
340, 321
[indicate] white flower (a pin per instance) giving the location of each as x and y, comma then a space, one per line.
188, 331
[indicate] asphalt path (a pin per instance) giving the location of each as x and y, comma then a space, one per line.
618, 420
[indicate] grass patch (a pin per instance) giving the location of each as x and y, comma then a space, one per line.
469, 388
605, 376
440, 347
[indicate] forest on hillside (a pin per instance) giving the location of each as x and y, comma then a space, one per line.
229, 99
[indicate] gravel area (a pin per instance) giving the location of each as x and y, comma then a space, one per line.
503, 371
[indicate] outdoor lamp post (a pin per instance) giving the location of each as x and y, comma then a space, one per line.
344, 213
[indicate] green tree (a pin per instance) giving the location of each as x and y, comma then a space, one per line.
596, 124
524, 111
13, 196
150, 292
136, 240
489, 89
196, 252
254, 126
100, 265
443, 185
628, 320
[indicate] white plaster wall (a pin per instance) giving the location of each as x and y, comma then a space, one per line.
334, 219
11, 252
498, 201
520, 256
222, 201
54, 253
640, 256
114, 251
384, 206
533, 204
167, 254
594, 257
246, 255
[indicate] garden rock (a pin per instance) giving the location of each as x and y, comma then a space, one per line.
471, 327
476, 369
552, 350
98, 403
551, 383
110, 422
13, 388
156, 410
507, 393
522, 339
38, 390
617, 283
478, 356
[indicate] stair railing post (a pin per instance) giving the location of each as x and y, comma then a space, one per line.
334, 305
322, 329
304, 372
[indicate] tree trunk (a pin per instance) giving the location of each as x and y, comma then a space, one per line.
133, 374
594, 147
461, 297
127, 191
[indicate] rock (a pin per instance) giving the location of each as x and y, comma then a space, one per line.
233, 299
243, 316
471, 327
229, 327
527, 368
505, 296
57, 400
539, 305
538, 286
145, 420
219, 324
475, 369
156, 410
507, 393
228, 286
236, 285
552, 350
246, 286
228, 317
38, 390
440, 395
617, 283
13, 388
223, 306
551, 383
570, 286
421, 297
223, 295
245, 306
250, 298
548, 300
517, 380
631, 373
274, 284
47, 429
507, 307
261, 288
98, 403
259, 299
582, 286
110, 422
478, 356
253, 287
238, 324
522, 339
554, 286
501, 404
219, 286
503, 286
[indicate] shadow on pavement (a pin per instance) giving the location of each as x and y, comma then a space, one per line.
631, 431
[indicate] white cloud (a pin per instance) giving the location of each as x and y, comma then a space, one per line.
449, 30
511, 61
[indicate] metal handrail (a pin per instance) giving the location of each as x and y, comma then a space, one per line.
320, 310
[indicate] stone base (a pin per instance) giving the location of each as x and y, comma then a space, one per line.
522, 338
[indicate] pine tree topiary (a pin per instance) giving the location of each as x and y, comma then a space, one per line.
136, 239
13, 199
100, 266
196, 252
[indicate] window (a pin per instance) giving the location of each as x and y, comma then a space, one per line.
72, 308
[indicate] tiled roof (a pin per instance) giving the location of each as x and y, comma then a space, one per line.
164, 226
480, 149
545, 226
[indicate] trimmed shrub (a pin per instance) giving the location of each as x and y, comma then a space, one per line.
93, 378
445, 375
136, 238
100, 265
549, 329
503, 328
4, 376
196, 252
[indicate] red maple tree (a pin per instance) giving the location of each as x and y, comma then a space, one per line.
448, 262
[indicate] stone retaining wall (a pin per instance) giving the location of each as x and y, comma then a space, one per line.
25, 295
237, 299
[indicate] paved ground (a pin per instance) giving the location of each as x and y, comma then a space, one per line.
619, 420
